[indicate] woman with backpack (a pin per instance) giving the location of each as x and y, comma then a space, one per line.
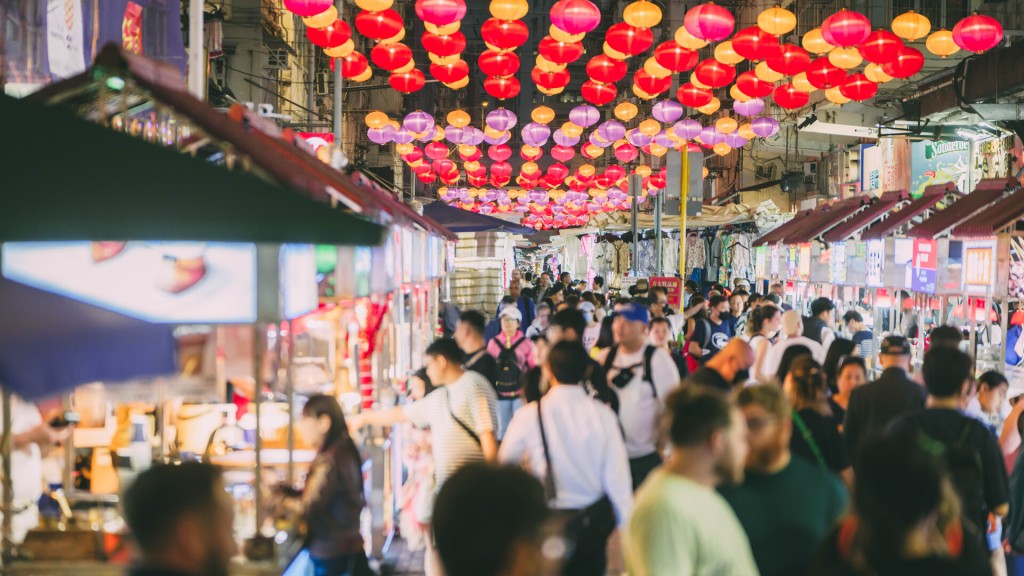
514, 354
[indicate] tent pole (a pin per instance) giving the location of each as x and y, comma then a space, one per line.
258, 352
340, 5
8, 482
659, 202
634, 192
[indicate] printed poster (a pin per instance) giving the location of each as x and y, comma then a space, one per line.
925, 271
939, 162
65, 41
875, 259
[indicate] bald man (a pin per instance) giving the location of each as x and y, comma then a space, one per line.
728, 369
791, 335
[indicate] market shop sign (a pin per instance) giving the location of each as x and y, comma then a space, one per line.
673, 285
924, 270
874, 263
979, 266
838, 262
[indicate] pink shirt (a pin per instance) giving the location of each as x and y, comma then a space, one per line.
526, 353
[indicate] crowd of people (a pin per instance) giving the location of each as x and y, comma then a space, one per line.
733, 437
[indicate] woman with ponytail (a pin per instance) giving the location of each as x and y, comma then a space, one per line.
762, 326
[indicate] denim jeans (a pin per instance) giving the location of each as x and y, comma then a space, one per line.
506, 408
353, 565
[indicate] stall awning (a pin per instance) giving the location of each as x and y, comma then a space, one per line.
866, 217
459, 220
931, 196
995, 218
779, 233
826, 220
987, 192
69, 179
51, 344
278, 156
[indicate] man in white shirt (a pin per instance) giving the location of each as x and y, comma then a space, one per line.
792, 330
680, 525
573, 443
642, 376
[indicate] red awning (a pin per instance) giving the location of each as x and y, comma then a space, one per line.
879, 206
931, 196
777, 234
987, 192
995, 218
826, 220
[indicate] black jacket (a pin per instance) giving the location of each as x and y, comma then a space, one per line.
876, 404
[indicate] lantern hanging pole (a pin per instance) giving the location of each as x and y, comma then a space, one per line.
634, 192
340, 5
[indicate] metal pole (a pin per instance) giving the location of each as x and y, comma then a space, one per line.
340, 5
1004, 325
8, 483
258, 351
634, 192
290, 393
659, 262
684, 194
196, 51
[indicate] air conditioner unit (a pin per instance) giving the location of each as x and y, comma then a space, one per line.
322, 83
277, 59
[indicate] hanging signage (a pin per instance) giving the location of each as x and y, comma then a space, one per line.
856, 263
871, 168
803, 263
939, 162
924, 272
1015, 285
761, 262
899, 256
838, 262
874, 263
773, 260
298, 280
821, 263
979, 266
949, 265
674, 287
792, 262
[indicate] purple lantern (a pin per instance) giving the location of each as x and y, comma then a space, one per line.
472, 136
611, 130
501, 139
418, 122
454, 135
638, 138
536, 134
562, 140
501, 119
381, 135
584, 115
735, 140
667, 111
751, 107
765, 126
403, 136
687, 128
711, 136
595, 139
662, 139
486, 208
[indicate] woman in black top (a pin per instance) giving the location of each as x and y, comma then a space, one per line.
332, 499
839, 350
815, 433
851, 373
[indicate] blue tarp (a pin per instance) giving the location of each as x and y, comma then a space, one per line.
51, 344
459, 220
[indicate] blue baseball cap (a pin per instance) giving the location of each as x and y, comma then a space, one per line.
634, 313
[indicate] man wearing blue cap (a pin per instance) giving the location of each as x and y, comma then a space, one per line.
642, 376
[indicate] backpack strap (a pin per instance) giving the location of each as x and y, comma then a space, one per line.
516, 344
805, 432
550, 488
610, 359
648, 373
463, 425
707, 334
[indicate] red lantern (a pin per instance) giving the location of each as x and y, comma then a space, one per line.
629, 40
598, 93
650, 84
440, 12
560, 52
550, 80
352, 65
558, 172
498, 63
447, 45
332, 36
435, 151
499, 152
692, 96
908, 62
846, 28
977, 33
626, 152
563, 153
601, 68
789, 97
754, 44
858, 87
379, 25
674, 57
880, 47
391, 56
789, 60
413, 156
449, 73
575, 16
502, 88
714, 74
531, 157
427, 177
824, 75
709, 22
504, 34
307, 8
752, 86
410, 81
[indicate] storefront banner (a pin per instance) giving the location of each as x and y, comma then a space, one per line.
792, 262
899, 256
995, 158
838, 262
939, 162
925, 273
773, 260
65, 41
856, 262
871, 169
895, 163
1015, 285
804, 262
674, 286
874, 263
979, 266
761, 262
949, 265
821, 263
317, 139
298, 279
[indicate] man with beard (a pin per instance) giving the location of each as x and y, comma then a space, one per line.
785, 504
181, 519
681, 526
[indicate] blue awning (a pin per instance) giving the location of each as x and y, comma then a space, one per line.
459, 220
51, 344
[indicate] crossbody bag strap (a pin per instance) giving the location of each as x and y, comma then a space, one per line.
550, 490
475, 357
806, 433
448, 400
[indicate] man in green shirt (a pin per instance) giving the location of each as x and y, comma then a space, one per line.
680, 525
786, 504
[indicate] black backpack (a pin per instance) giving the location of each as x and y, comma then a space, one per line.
963, 463
648, 355
509, 372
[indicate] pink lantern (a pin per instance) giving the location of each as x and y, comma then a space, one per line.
307, 8
709, 22
575, 16
977, 33
846, 28
440, 12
